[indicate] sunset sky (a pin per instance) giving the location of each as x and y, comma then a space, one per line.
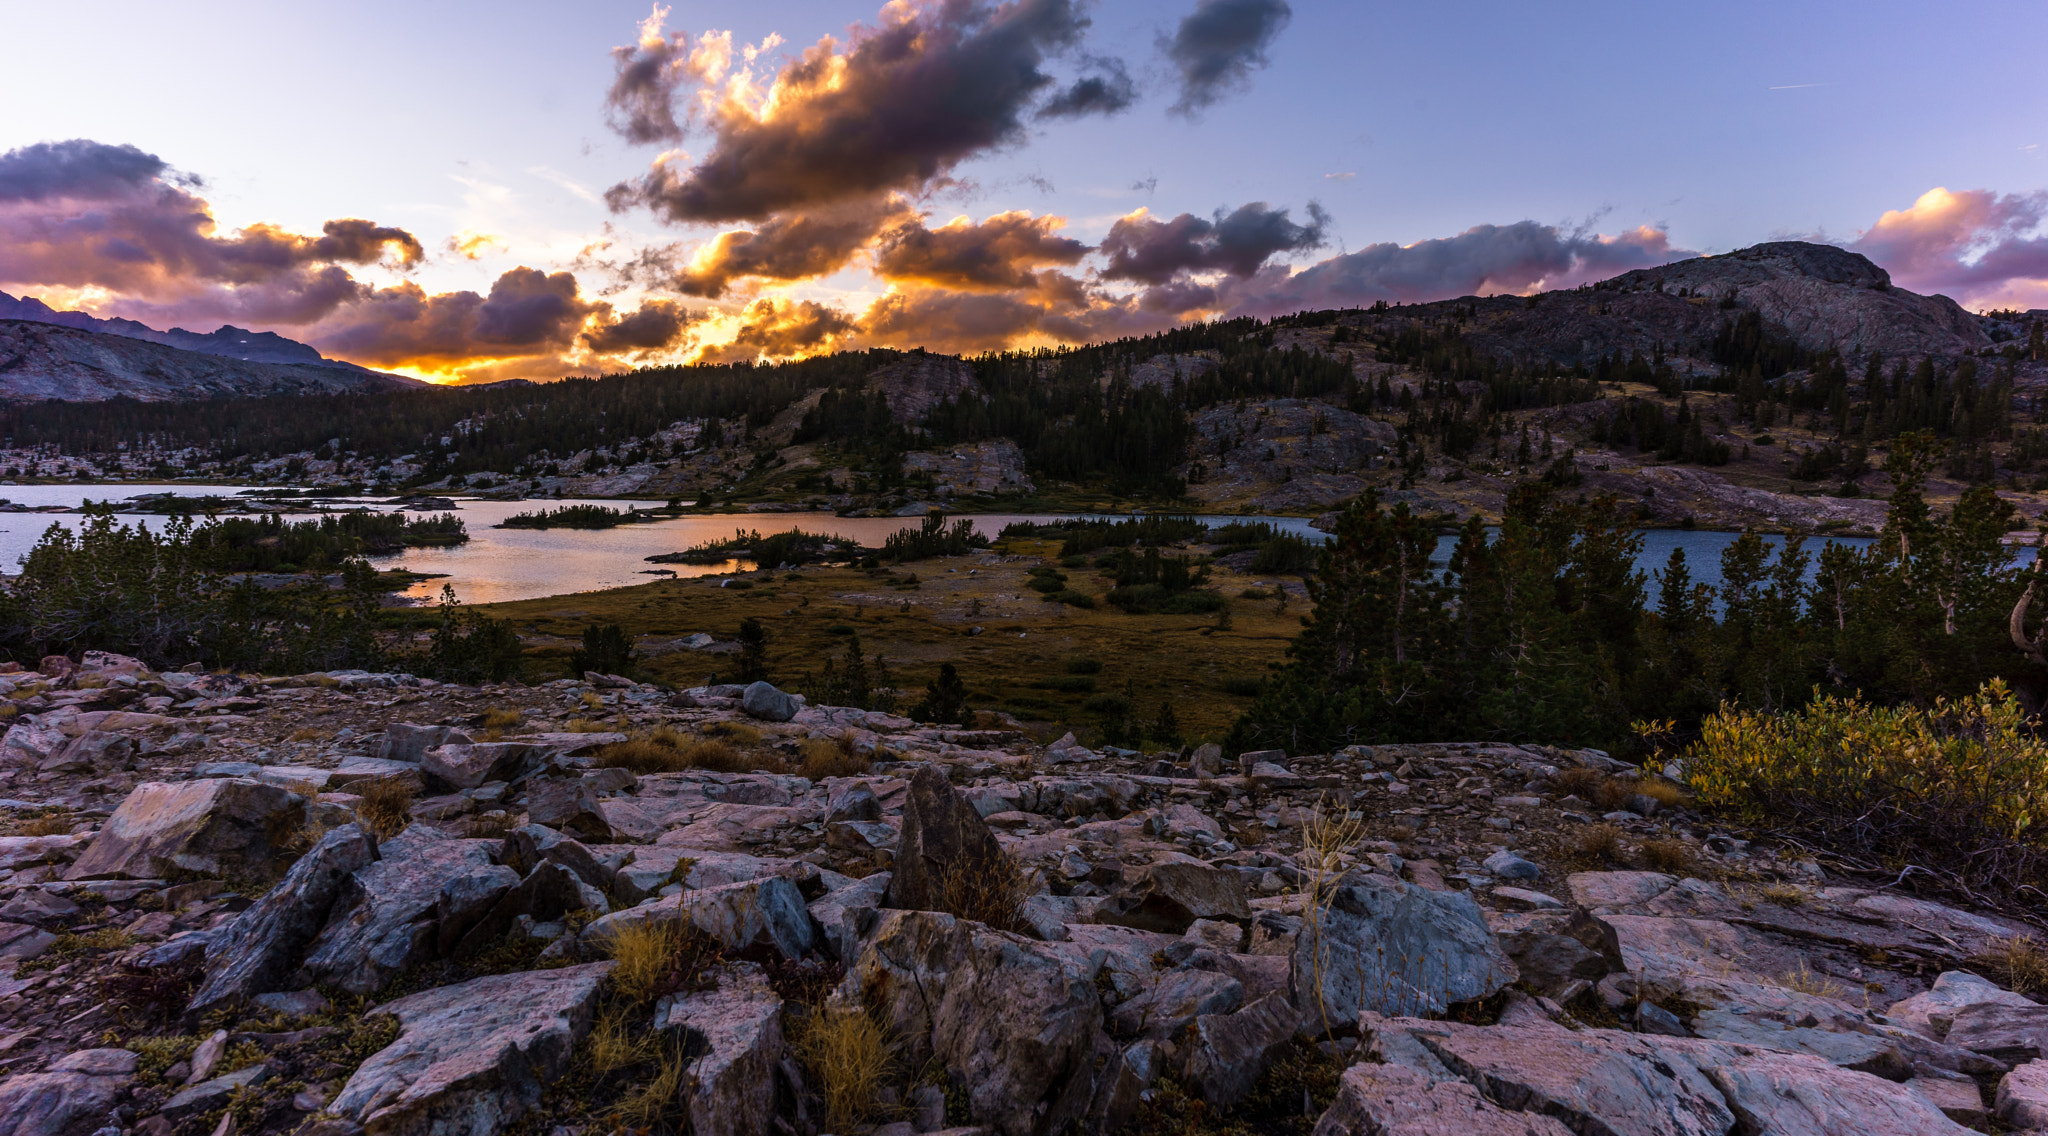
469, 192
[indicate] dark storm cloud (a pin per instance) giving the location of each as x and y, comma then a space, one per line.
1000, 253
78, 168
528, 312
1150, 251
897, 108
641, 102
1219, 45
1482, 260
1107, 90
791, 246
655, 325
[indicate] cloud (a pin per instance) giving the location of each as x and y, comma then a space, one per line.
1986, 249
1219, 45
641, 102
1107, 91
999, 254
654, 326
527, 313
78, 168
893, 109
1150, 251
1482, 260
84, 215
776, 328
472, 245
790, 246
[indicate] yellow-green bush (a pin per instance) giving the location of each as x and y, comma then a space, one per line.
1954, 789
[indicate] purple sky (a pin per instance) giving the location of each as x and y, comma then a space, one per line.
473, 192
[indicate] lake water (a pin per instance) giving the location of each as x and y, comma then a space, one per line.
514, 564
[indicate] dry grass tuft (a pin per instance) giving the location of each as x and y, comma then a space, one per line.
386, 805
2020, 964
585, 726
592, 700
1668, 855
645, 953
991, 893
835, 758
848, 1055
651, 1104
50, 824
1601, 842
1580, 781
489, 826
1613, 793
502, 718
1664, 793
1784, 895
311, 734
642, 756
611, 1045
1807, 981
738, 733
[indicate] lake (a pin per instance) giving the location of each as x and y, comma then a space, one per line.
516, 564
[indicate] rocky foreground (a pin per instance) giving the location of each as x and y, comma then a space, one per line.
369, 903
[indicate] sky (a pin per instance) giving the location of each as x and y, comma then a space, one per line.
471, 192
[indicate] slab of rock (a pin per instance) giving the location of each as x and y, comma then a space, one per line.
1392, 1100
545, 895
763, 912
1169, 897
75, 1096
213, 1093
28, 851
1614, 1083
762, 700
567, 804
943, 836
384, 920
2023, 1097
470, 1059
1228, 1053
1551, 949
1617, 889
732, 1034
845, 914
406, 742
95, 751
254, 954
466, 765
1958, 1098
1014, 1021
1383, 945
2011, 1034
1175, 999
1933, 1011
205, 827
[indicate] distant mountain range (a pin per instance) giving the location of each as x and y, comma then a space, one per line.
45, 354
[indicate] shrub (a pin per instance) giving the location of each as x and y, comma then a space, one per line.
2018, 963
1114, 705
1067, 684
1073, 598
1084, 666
1579, 781
824, 759
386, 805
499, 718
848, 1055
992, 893
1601, 842
1241, 687
1953, 790
1668, 855
639, 755
606, 650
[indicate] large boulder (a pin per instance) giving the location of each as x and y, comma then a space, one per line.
404, 741
762, 700
1393, 948
95, 751
767, 912
2011, 1034
567, 803
1228, 1053
846, 913
1612, 1083
470, 1059
1014, 1023
73, 1097
385, 918
466, 765
1169, 897
943, 838
1552, 949
732, 1034
254, 954
1931, 1012
210, 827
547, 893
1392, 1100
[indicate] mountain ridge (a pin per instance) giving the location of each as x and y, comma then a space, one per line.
41, 360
